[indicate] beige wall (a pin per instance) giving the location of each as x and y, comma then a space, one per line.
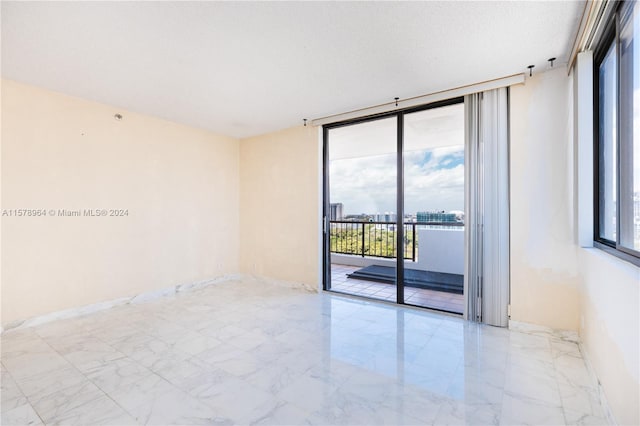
179, 184
610, 330
544, 273
279, 205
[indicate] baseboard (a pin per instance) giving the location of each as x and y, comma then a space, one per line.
101, 306
570, 336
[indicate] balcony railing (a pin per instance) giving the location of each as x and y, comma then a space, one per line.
378, 239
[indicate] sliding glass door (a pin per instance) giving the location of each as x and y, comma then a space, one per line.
394, 207
361, 176
433, 152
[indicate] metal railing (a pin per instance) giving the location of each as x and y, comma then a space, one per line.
378, 239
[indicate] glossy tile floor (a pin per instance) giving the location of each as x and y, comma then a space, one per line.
440, 300
247, 352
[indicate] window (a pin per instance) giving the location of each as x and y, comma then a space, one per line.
617, 135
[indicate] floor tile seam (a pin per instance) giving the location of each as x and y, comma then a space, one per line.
254, 421
33, 409
22, 394
535, 375
109, 397
153, 373
150, 371
564, 414
74, 367
527, 351
590, 390
530, 399
33, 404
121, 355
299, 407
110, 344
591, 386
603, 418
44, 372
442, 407
580, 359
22, 391
91, 334
7, 372
173, 345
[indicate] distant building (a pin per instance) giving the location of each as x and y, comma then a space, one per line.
386, 217
437, 217
408, 218
362, 217
336, 211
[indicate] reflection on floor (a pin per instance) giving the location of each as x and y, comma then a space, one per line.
250, 352
449, 302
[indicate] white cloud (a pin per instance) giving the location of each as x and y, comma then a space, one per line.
368, 184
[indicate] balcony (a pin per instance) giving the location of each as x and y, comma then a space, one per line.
429, 249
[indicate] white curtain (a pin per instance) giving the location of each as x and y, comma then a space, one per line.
487, 200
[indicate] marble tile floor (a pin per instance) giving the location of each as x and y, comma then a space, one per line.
248, 352
439, 300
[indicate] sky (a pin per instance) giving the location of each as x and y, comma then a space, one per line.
362, 166
434, 180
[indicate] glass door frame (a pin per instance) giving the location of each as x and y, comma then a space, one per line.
326, 211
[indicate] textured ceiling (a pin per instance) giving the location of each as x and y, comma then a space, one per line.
246, 68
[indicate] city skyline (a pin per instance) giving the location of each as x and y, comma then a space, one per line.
336, 212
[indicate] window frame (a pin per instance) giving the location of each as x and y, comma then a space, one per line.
610, 37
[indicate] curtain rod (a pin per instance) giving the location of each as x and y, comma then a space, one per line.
422, 99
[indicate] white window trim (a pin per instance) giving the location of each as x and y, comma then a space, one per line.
583, 90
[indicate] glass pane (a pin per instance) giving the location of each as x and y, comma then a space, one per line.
434, 208
362, 192
630, 128
607, 155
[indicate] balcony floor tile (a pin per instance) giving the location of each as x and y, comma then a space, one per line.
449, 302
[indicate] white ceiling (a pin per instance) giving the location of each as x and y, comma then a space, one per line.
247, 68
